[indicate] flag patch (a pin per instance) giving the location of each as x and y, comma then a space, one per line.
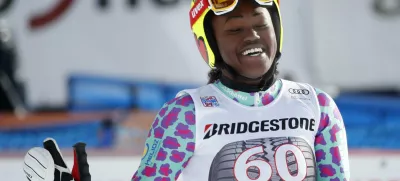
209, 101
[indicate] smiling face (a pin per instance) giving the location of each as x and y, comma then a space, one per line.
246, 39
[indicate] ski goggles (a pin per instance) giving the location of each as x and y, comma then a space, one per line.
220, 7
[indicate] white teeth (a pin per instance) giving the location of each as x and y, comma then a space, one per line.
254, 55
252, 51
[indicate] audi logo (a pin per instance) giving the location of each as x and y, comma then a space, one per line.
299, 91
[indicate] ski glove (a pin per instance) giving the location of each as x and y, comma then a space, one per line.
47, 163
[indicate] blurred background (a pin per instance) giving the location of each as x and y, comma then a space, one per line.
99, 70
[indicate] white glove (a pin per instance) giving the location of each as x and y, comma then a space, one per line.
47, 164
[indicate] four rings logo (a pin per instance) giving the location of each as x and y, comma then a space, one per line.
299, 91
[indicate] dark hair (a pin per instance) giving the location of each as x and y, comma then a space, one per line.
214, 74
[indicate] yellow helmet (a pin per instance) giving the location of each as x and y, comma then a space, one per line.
203, 35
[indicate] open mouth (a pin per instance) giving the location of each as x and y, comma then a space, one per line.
253, 52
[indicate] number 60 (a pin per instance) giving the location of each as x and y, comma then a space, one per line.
242, 164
